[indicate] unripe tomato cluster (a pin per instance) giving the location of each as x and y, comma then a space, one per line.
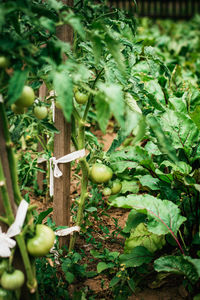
26, 100
101, 174
37, 246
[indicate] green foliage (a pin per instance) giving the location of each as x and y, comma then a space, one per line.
140, 236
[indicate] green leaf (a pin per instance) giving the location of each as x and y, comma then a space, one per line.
75, 22
114, 98
129, 186
114, 281
50, 127
43, 215
63, 87
132, 284
163, 215
150, 182
117, 142
16, 85
134, 219
130, 157
69, 277
103, 111
164, 142
177, 265
181, 130
140, 236
138, 256
114, 47
103, 266
97, 47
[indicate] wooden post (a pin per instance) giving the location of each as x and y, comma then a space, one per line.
61, 200
40, 175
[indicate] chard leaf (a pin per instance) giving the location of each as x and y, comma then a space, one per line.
164, 142
140, 236
181, 130
130, 157
178, 265
150, 182
163, 215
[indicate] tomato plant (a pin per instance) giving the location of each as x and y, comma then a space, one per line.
40, 112
100, 173
26, 98
42, 242
12, 281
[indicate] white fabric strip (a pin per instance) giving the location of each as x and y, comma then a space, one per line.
54, 169
67, 231
6, 243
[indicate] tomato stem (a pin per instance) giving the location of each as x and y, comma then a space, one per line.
5, 196
11, 156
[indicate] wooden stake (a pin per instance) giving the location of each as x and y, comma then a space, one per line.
41, 176
61, 201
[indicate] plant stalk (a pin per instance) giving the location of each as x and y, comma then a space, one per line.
11, 156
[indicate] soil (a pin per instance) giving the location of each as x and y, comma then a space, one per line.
169, 289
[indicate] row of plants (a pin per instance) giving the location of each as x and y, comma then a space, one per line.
150, 87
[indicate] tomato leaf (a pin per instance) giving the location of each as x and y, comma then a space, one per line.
43, 215
103, 111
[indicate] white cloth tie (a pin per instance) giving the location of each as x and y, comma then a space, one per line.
6, 243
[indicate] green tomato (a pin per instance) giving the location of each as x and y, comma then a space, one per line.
12, 281
3, 266
42, 242
100, 173
4, 62
106, 191
27, 97
17, 109
40, 112
5, 295
116, 187
81, 98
